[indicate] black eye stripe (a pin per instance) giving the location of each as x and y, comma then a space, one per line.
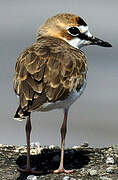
74, 31
83, 36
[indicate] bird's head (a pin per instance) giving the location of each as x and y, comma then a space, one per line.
71, 28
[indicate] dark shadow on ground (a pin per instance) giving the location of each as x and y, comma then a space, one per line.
48, 160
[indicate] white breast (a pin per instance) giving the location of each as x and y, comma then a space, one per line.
73, 96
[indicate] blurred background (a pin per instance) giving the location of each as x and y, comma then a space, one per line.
94, 117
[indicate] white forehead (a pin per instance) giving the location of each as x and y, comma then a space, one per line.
83, 29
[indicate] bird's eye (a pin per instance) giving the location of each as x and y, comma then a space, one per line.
73, 31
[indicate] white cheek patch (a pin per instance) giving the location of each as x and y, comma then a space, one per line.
83, 29
77, 43
74, 42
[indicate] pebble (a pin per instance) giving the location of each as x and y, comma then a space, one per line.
66, 178
16, 150
51, 147
105, 178
32, 144
93, 172
31, 177
85, 144
110, 149
37, 144
116, 155
110, 160
76, 147
110, 170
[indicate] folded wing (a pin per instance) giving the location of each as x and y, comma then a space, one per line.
47, 72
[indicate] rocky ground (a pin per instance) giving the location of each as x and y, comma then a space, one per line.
90, 163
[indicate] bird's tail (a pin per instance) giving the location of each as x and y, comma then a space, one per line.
20, 114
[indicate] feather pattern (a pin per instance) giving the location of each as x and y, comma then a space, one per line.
46, 72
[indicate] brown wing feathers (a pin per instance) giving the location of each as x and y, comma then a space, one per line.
46, 72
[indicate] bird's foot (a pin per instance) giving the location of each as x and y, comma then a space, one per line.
62, 170
29, 171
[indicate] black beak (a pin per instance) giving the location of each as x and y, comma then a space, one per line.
99, 42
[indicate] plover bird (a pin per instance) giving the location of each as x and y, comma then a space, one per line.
52, 73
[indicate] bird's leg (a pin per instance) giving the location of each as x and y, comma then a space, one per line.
63, 135
28, 169
28, 132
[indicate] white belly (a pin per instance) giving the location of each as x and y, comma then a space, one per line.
73, 96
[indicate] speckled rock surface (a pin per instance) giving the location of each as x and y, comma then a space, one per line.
90, 163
